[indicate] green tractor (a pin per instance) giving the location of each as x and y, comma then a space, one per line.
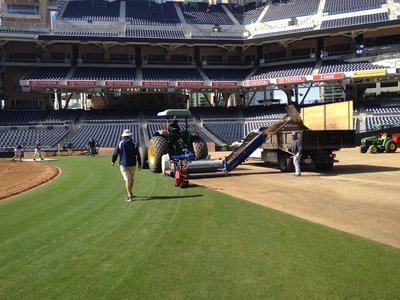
381, 142
172, 140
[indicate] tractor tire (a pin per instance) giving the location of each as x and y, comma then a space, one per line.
143, 151
363, 150
390, 146
324, 167
285, 163
373, 149
158, 146
200, 149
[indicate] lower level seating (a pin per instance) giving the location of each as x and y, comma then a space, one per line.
227, 132
106, 135
48, 137
376, 120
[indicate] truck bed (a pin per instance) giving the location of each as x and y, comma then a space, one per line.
328, 139
313, 140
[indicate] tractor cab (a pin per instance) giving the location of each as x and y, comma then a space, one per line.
173, 139
172, 129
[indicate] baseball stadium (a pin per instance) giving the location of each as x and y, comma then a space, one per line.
218, 212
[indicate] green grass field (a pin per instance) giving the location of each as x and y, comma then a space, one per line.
76, 238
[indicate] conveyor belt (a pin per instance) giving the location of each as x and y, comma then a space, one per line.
253, 141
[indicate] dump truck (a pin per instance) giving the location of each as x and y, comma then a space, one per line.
323, 129
318, 148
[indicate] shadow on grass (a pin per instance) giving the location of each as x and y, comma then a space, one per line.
139, 198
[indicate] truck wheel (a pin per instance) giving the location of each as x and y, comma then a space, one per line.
143, 151
390, 146
285, 163
158, 146
373, 149
324, 167
200, 149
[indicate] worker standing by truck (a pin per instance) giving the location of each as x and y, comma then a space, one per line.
296, 147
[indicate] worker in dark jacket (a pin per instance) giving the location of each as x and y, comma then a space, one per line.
129, 160
92, 146
296, 147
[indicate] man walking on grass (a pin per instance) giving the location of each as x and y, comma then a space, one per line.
129, 158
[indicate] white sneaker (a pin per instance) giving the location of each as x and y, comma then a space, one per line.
130, 198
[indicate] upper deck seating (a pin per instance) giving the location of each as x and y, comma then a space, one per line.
227, 74
86, 33
107, 116
202, 13
283, 32
377, 110
346, 6
216, 113
351, 21
246, 14
21, 117
87, 11
290, 9
63, 116
155, 33
24, 31
46, 73
150, 13
213, 36
273, 112
95, 73
336, 66
171, 74
269, 72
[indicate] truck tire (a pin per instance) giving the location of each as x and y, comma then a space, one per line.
390, 146
143, 151
285, 163
158, 146
324, 167
373, 149
200, 149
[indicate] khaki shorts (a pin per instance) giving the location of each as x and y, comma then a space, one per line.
127, 172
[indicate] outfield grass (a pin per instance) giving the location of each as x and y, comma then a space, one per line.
76, 238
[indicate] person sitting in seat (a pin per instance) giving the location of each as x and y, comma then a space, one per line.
174, 128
